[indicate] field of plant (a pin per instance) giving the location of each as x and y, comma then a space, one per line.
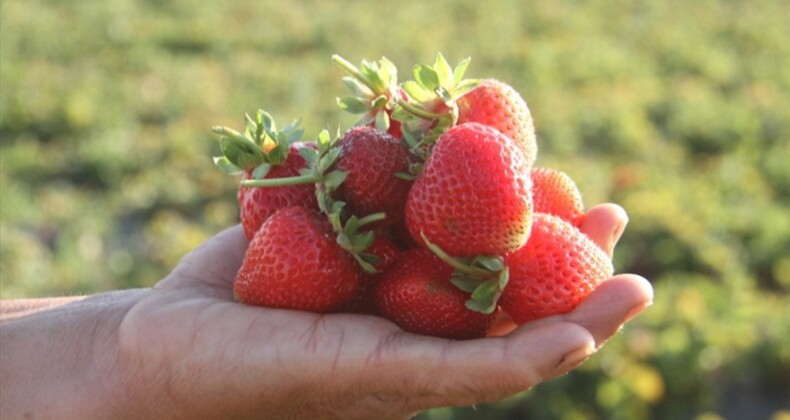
679, 111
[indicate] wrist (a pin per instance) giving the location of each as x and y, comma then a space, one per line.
59, 357
11, 309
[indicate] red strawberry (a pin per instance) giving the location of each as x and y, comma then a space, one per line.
473, 197
401, 236
441, 97
385, 249
555, 271
387, 252
554, 192
497, 104
257, 204
416, 294
294, 262
262, 151
372, 158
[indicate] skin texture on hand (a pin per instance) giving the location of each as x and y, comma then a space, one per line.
185, 349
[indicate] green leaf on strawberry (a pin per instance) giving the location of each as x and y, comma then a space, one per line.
224, 165
261, 142
485, 277
375, 92
320, 171
431, 108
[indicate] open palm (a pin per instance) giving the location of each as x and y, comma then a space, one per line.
199, 354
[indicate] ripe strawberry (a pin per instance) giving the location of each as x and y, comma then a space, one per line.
497, 104
372, 159
554, 192
257, 204
555, 271
441, 98
401, 236
294, 262
473, 196
263, 151
416, 294
387, 252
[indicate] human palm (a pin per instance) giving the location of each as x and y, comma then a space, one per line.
197, 353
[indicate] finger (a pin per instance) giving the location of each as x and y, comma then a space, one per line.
612, 304
215, 262
604, 224
434, 372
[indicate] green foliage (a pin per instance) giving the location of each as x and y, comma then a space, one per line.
679, 111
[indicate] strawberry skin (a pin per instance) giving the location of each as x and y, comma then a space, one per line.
555, 271
554, 192
474, 195
294, 262
387, 252
372, 158
416, 294
257, 204
497, 104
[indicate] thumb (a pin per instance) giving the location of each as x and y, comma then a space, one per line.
214, 263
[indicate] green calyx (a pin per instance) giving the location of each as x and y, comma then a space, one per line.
261, 145
320, 164
320, 170
374, 90
431, 108
485, 277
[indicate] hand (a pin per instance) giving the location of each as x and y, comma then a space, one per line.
185, 349
217, 358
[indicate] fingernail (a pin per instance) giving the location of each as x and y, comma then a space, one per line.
575, 358
617, 233
636, 310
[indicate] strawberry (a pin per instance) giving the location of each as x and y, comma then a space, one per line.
399, 234
257, 204
498, 105
473, 196
294, 262
372, 159
263, 151
442, 98
555, 271
554, 192
416, 294
386, 252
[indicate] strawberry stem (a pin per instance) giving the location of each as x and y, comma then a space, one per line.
422, 112
484, 277
371, 218
279, 182
225, 131
452, 261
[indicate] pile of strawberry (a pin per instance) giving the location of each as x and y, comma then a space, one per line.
428, 212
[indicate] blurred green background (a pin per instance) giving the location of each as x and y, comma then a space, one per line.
679, 111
